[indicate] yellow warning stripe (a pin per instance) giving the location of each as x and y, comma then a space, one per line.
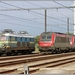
31, 42
8, 42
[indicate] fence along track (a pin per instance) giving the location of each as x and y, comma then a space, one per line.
44, 63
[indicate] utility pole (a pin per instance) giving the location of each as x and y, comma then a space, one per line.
68, 25
45, 21
74, 18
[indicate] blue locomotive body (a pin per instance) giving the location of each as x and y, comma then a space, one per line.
11, 42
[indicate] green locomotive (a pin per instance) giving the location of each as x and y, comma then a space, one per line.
12, 42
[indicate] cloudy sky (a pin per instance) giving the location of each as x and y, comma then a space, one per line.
32, 20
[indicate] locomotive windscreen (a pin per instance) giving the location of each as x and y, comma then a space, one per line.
46, 38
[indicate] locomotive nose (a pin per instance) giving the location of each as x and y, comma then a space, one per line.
1, 45
45, 44
2, 48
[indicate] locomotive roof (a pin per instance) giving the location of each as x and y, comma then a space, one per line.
55, 33
17, 35
9, 32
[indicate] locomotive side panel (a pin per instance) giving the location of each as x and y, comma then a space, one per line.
62, 42
57, 42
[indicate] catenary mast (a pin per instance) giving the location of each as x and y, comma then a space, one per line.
74, 18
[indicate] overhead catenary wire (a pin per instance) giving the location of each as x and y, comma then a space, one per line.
43, 15
33, 12
31, 26
67, 18
34, 8
33, 3
20, 24
60, 13
54, 8
64, 5
35, 0
42, 8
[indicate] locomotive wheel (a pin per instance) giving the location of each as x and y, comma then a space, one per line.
58, 50
23, 52
15, 53
0, 54
53, 52
8, 54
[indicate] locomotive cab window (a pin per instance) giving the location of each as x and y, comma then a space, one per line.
46, 37
43, 37
12, 38
25, 39
49, 37
15, 38
21, 38
30, 39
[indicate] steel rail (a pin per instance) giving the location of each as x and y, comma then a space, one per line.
31, 59
34, 68
43, 63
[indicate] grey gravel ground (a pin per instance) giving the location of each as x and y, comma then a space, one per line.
66, 69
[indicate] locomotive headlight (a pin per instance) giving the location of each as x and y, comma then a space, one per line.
50, 41
70, 42
1, 46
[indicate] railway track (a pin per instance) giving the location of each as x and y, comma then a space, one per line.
34, 63
28, 58
18, 56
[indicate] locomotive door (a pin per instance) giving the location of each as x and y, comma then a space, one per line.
57, 42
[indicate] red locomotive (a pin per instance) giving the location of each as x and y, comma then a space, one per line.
56, 42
